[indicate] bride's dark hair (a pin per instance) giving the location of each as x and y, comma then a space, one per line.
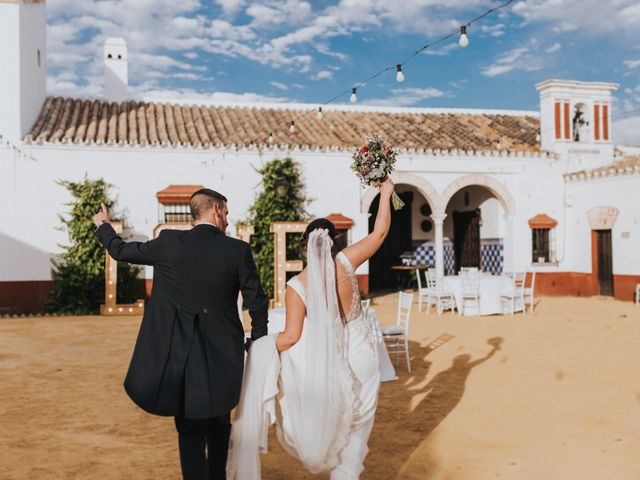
324, 224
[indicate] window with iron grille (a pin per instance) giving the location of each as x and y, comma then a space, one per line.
174, 213
541, 245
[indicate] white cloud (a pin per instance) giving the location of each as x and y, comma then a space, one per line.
565, 27
324, 49
322, 75
554, 48
191, 95
280, 86
493, 30
231, 7
405, 97
191, 55
190, 76
282, 12
632, 63
505, 63
582, 16
446, 50
627, 131
519, 58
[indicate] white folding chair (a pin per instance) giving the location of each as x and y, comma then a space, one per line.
528, 293
398, 335
637, 294
470, 293
423, 290
513, 300
437, 295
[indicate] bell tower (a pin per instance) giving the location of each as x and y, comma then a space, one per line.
23, 79
575, 120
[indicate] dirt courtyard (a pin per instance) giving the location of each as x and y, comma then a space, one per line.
550, 396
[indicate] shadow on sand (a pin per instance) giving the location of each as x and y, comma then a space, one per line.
400, 426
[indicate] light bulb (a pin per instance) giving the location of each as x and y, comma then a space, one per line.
270, 139
354, 97
537, 137
464, 40
399, 75
319, 114
292, 127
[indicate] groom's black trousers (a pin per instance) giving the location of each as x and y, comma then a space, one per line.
193, 436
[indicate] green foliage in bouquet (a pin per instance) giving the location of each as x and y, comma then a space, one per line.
78, 273
282, 200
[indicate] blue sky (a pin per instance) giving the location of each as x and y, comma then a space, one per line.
309, 51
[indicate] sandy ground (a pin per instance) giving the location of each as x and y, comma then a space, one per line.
559, 399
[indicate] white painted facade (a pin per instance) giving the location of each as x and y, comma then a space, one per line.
509, 188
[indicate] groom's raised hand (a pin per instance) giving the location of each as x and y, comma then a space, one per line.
102, 216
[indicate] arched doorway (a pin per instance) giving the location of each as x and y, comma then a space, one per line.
474, 231
411, 235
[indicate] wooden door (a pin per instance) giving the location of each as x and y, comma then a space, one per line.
605, 263
466, 239
398, 241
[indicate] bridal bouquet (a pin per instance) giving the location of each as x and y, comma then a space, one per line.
373, 163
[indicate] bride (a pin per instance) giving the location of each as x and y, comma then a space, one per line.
328, 378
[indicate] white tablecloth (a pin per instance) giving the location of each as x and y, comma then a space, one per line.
277, 320
491, 288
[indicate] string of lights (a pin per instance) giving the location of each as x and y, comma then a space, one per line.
21, 154
463, 41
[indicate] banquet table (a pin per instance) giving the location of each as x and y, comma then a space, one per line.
491, 289
277, 320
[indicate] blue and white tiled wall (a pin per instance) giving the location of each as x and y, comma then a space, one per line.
491, 255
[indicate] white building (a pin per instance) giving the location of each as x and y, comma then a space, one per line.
505, 190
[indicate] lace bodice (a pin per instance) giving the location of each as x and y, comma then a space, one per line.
355, 311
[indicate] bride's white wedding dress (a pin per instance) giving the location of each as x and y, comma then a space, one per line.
361, 365
327, 388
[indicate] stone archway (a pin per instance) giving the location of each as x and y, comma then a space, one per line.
500, 192
424, 187
491, 184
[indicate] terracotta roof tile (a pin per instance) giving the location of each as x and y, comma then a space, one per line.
622, 166
78, 121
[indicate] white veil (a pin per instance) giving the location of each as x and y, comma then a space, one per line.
316, 386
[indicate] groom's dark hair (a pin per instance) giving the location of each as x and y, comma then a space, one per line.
203, 200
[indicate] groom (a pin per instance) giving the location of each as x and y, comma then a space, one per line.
189, 355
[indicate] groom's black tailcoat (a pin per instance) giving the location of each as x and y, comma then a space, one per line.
189, 355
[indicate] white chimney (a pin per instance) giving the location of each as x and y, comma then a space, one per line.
23, 79
116, 76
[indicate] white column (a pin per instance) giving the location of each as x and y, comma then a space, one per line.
438, 220
509, 245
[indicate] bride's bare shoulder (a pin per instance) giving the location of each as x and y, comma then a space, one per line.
303, 275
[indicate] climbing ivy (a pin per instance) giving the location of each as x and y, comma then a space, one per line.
282, 199
78, 272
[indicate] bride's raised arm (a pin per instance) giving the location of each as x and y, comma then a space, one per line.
361, 251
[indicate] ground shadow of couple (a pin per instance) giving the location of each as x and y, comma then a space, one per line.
401, 424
